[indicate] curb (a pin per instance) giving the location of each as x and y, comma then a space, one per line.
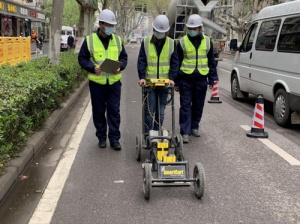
35, 143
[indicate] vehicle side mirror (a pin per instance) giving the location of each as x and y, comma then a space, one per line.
233, 45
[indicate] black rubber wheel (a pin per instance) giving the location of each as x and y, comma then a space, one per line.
199, 175
281, 108
235, 88
147, 180
178, 148
138, 147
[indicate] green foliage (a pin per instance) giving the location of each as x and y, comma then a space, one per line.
29, 92
71, 13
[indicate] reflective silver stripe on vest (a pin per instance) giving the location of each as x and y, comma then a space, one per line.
92, 50
193, 66
183, 48
171, 46
118, 44
207, 44
194, 57
146, 46
160, 64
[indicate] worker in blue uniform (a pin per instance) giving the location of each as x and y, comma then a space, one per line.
197, 71
105, 88
157, 60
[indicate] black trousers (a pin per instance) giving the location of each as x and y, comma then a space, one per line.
106, 110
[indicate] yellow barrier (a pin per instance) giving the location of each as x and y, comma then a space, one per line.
14, 50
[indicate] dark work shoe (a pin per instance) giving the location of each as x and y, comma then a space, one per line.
102, 144
195, 132
185, 138
116, 146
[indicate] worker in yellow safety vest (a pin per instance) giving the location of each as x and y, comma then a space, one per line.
197, 70
157, 59
105, 87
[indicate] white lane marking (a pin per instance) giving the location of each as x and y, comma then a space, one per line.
287, 157
47, 205
118, 181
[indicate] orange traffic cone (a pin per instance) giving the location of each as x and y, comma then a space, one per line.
258, 124
215, 94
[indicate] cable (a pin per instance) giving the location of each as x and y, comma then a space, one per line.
152, 115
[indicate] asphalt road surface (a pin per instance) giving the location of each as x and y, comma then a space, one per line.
247, 180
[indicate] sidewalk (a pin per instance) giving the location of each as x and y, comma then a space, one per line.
35, 143
35, 51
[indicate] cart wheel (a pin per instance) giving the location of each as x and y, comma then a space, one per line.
138, 147
200, 180
147, 182
178, 148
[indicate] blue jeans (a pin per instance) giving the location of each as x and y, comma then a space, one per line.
151, 108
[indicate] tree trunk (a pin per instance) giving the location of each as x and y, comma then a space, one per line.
86, 17
55, 31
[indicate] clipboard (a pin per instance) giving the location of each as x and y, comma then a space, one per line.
109, 65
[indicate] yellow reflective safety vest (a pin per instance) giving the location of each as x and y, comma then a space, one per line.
158, 67
195, 59
99, 54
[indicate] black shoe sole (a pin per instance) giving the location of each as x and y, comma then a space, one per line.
102, 145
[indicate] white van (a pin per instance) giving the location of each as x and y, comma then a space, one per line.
268, 61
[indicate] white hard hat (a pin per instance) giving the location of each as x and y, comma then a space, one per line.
107, 16
194, 21
161, 24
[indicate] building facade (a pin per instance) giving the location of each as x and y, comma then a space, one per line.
19, 17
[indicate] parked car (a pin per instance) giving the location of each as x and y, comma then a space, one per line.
267, 61
133, 40
64, 42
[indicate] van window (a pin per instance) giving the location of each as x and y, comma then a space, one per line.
249, 38
289, 39
267, 35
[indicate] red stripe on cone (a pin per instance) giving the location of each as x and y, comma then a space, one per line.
215, 94
259, 107
257, 128
258, 116
259, 125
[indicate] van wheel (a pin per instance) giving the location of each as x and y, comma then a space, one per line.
281, 108
236, 92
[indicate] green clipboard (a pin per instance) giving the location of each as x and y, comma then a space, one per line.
109, 65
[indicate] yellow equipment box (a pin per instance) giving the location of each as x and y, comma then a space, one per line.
158, 82
169, 158
162, 149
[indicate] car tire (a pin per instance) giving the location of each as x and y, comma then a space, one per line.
281, 108
236, 92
